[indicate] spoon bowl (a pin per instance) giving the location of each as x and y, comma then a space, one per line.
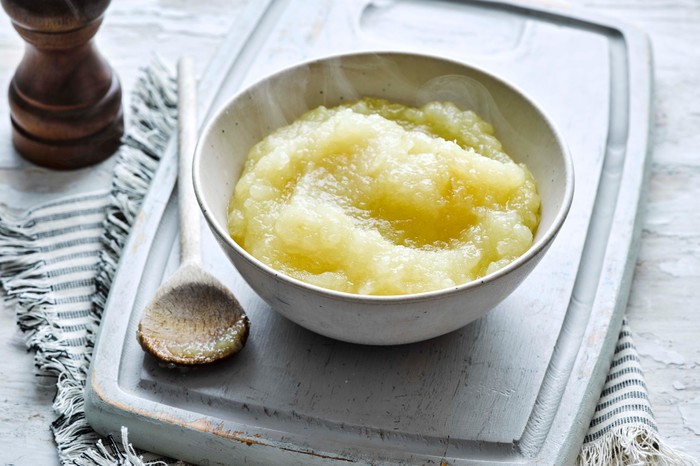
193, 319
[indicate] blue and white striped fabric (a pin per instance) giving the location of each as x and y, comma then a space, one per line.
623, 430
48, 263
57, 261
624, 399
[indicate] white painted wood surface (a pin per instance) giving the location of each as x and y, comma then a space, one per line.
663, 302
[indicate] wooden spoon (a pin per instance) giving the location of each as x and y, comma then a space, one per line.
193, 318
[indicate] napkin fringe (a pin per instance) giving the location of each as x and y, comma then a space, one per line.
124, 455
22, 274
632, 445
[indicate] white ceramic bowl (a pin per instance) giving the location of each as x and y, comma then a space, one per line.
527, 136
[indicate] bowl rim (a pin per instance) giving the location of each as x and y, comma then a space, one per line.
542, 243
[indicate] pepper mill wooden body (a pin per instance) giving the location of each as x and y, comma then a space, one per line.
65, 99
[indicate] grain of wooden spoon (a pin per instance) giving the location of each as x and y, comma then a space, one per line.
193, 318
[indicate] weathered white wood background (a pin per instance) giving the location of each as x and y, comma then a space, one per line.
663, 307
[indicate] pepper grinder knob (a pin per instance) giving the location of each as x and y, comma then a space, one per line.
65, 99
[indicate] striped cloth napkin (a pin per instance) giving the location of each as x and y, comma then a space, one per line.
57, 261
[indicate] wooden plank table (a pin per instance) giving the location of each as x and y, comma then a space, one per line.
664, 294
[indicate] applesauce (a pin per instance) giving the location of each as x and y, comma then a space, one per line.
377, 198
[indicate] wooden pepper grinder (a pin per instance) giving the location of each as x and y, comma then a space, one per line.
65, 99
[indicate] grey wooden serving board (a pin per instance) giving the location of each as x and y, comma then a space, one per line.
516, 387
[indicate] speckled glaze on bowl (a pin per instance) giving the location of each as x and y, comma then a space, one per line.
527, 136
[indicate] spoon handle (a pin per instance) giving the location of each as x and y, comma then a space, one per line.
187, 136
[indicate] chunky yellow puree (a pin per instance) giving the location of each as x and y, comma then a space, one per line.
379, 198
